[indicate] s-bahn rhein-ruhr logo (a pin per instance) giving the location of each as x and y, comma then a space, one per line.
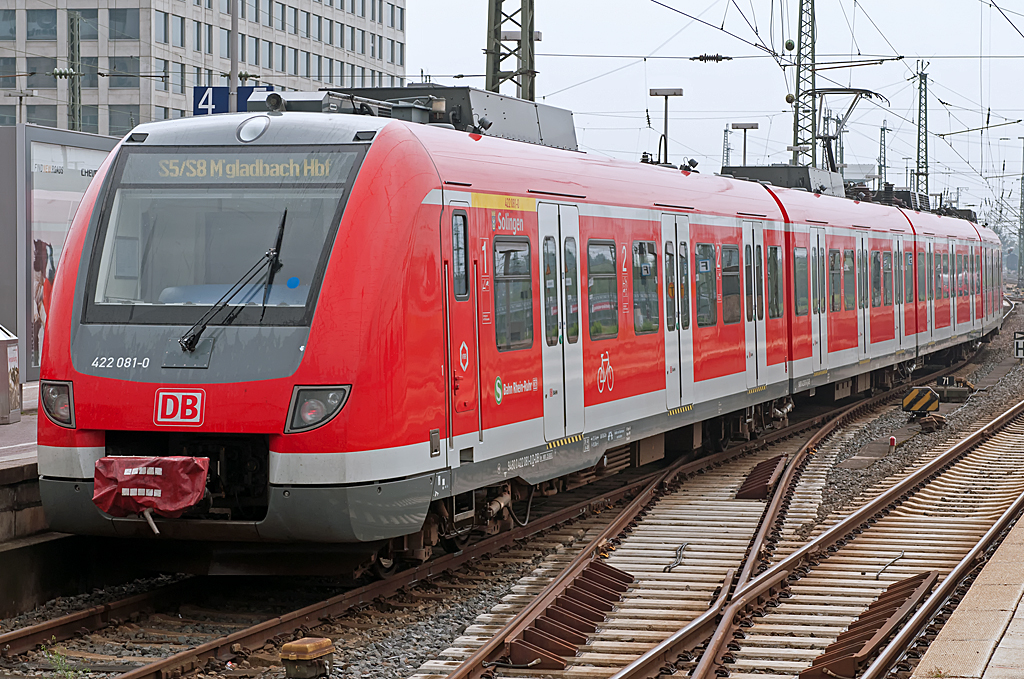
499, 392
179, 407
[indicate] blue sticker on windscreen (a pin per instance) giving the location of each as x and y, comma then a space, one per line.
293, 282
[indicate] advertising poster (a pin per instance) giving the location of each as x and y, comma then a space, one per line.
13, 378
60, 176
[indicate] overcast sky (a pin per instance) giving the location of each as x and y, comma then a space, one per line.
592, 60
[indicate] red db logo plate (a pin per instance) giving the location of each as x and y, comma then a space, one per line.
179, 407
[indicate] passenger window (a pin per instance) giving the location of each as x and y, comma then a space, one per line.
774, 281
749, 272
945, 276
645, 287
876, 278
887, 277
602, 291
550, 250
800, 281
922, 292
513, 295
460, 255
849, 280
572, 293
670, 287
706, 287
684, 287
759, 281
835, 280
732, 304
814, 279
908, 277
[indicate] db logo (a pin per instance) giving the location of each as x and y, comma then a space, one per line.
179, 407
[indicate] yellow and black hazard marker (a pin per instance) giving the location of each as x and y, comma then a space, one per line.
921, 400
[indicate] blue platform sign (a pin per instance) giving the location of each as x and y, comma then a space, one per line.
208, 100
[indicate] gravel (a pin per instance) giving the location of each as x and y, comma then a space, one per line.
844, 485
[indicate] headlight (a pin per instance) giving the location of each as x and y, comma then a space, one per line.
58, 402
313, 407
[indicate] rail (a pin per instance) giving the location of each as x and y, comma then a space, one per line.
842, 532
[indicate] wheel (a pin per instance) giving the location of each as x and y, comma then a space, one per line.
457, 543
385, 565
716, 433
600, 380
611, 378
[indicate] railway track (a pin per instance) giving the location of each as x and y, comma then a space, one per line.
691, 593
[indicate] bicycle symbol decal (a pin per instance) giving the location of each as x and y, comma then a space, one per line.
605, 374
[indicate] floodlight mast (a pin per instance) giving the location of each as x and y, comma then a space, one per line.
665, 92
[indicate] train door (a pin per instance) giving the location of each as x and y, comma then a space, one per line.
562, 350
675, 237
753, 280
863, 299
819, 315
460, 325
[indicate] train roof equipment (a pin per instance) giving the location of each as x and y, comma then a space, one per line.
462, 108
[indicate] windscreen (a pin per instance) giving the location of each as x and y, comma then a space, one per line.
181, 226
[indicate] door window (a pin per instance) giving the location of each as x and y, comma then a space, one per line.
706, 286
460, 256
862, 276
931, 276
684, 287
821, 279
670, 287
550, 250
814, 279
513, 295
645, 287
749, 272
922, 293
908, 277
732, 305
759, 281
887, 277
572, 293
800, 281
602, 292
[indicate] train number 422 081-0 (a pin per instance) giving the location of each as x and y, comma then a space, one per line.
120, 362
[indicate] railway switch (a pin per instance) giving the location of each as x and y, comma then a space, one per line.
308, 658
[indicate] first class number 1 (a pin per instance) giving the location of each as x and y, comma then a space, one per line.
120, 362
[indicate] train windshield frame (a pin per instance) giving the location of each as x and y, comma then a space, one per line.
178, 225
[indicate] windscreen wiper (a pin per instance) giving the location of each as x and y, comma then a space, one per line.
190, 339
275, 264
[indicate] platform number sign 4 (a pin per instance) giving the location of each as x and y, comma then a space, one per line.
209, 100
1018, 345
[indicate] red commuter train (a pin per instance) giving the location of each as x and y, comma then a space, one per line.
382, 332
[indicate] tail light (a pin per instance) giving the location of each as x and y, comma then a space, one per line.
58, 402
314, 407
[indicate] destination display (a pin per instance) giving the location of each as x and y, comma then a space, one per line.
331, 167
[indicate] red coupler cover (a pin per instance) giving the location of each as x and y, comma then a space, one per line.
167, 485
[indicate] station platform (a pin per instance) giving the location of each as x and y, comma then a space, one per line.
984, 638
21, 512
